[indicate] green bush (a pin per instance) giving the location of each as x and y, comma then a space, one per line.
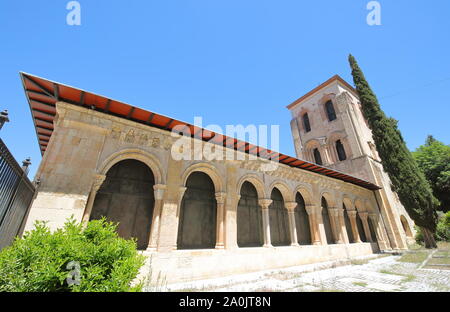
442, 229
39, 261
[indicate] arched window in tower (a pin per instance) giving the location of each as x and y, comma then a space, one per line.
331, 113
317, 157
306, 123
340, 150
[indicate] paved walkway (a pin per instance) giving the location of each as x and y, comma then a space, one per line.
367, 274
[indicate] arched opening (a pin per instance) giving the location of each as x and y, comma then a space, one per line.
359, 225
197, 222
127, 197
329, 108
249, 218
372, 230
306, 122
278, 220
302, 221
340, 150
326, 222
405, 226
348, 226
317, 157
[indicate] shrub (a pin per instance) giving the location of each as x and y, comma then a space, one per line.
442, 229
43, 261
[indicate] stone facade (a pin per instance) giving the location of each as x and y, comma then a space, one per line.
362, 160
86, 144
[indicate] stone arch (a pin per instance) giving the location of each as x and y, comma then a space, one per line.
348, 202
198, 212
326, 217
309, 150
359, 205
331, 201
360, 208
405, 226
249, 217
321, 104
137, 154
208, 169
302, 220
255, 181
284, 190
332, 139
278, 218
348, 205
127, 197
306, 194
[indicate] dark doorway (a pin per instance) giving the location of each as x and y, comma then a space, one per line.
348, 226
278, 220
372, 230
197, 225
249, 218
326, 222
127, 197
359, 224
302, 221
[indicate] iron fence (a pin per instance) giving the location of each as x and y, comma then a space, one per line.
16, 195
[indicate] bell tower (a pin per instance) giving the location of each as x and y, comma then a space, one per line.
329, 129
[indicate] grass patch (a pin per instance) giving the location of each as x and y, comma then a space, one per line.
408, 278
443, 245
359, 261
362, 284
439, 261
417, 257
284, 275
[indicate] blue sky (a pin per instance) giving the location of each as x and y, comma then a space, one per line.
229, 61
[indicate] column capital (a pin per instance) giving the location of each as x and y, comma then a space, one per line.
333, 211
159, 191
265, 203
290, 206
363, 215
220, 197
352, 213
98, 181
311, 209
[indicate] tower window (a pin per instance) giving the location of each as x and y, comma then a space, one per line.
317, 157
340, 150
306, 123
331, 113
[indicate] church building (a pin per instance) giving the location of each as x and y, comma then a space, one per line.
196, 218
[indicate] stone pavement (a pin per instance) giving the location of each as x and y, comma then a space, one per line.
365, 274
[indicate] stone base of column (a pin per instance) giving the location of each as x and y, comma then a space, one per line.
267, 245
220, 246
295, 244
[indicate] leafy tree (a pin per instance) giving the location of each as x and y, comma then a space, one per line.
407, 179
434, 159
43, 261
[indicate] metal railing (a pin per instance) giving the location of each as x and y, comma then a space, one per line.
16, 195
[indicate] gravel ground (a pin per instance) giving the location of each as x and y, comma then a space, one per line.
367, 274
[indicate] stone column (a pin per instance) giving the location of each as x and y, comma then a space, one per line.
342, 226
364, 216
352, 217
290, 206
157, 209
335, 224
96, 184
313, 224
220, 198
265, 203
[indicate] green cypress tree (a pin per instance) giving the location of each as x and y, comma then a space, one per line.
408, 181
